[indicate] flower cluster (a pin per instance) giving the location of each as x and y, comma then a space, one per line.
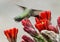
46, 31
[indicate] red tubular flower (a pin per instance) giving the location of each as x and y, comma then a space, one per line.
27, 39
43, 20
42, 24
11, 34
58, 21
45, 15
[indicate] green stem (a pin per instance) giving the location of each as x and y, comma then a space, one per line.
40, 38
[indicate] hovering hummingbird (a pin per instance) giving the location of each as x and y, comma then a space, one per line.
27, 13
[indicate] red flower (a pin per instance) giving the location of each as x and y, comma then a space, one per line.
11, 34
45, 15
42, 24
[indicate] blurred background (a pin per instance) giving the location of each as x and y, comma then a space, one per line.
9, 9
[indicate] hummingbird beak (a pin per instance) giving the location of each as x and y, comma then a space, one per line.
22, 7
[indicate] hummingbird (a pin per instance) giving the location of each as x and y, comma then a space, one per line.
27, 13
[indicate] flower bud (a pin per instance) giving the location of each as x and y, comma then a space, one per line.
58, 21
52, 28
31, 31
26, 22
28, 27
27, 39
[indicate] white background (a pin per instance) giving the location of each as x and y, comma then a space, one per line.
9, 9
